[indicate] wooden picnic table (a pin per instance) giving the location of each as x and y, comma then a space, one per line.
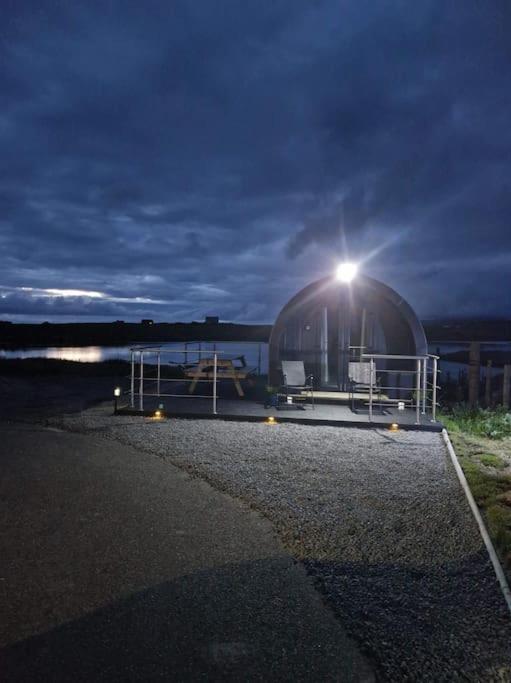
225, 369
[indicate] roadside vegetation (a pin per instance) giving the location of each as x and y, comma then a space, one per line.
482, 441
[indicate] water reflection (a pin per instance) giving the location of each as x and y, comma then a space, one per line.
82, 354
256, 355
87, 354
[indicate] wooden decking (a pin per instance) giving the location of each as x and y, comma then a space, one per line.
331, 414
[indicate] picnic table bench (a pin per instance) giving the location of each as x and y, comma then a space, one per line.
225, 369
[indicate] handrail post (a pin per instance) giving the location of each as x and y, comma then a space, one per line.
259, 359
418, 392
141, 386
371, 365
433, 407
159, 374
214, 382
132, 383
424, 383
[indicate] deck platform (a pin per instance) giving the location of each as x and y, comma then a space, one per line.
245, 409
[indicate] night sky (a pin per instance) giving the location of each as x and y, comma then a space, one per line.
174, 159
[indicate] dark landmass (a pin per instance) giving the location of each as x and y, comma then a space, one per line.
38, 367
23, 335
35, 367
467, 329
498, 358
38, 388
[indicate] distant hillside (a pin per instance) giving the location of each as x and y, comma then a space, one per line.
14, 335
467, 330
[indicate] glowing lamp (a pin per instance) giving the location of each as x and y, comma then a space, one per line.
117, 393
346, 272
394, 427
157, 414
271, 420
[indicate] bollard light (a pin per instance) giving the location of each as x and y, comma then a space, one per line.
157, 414
271, 420
394, 427
117, 393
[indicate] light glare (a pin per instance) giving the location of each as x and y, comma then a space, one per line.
346, 272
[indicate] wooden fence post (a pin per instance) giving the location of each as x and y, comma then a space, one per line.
506, 385
487, 385
474, 363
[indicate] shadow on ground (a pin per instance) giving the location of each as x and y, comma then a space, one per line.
429, 624
210, 625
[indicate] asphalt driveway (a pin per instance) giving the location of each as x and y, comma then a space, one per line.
118, 566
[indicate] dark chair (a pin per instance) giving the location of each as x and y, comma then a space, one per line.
296, 385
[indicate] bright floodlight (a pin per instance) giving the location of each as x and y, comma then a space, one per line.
346, 272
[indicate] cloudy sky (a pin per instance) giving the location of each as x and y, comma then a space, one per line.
175, 159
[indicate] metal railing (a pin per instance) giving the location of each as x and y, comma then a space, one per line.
415, 379
420, 392
139, 356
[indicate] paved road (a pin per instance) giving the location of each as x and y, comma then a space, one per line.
117, 566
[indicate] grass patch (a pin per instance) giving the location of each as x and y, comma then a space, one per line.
485, 487
492, 424
471, 432
492, 460
499, 527
486, 490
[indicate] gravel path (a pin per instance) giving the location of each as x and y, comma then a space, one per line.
378, 519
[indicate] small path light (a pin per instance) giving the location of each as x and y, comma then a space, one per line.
271, 420
157, 414
394, 427
117, 393
346, 272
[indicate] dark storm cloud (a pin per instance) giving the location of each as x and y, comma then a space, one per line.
218, 156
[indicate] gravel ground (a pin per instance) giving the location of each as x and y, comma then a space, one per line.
378, 519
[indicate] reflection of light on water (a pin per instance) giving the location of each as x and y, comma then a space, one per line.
83, 354
97, 354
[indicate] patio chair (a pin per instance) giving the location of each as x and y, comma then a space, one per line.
359, 380
296, 385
